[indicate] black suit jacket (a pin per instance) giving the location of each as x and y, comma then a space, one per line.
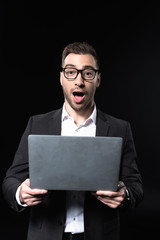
47, 219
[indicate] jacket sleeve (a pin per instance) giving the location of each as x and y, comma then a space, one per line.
18, 172
129, 173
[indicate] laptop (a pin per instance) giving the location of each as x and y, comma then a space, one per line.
74, 163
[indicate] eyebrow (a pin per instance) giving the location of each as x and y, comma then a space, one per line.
70, 65
84, 67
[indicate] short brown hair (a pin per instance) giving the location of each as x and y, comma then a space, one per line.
79, 48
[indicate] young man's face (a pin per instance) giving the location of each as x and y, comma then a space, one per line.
79, 93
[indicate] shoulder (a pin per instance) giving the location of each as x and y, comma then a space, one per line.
115, 126
111, 119
46, 116
45, 123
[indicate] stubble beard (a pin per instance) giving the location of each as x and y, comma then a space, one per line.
78, 107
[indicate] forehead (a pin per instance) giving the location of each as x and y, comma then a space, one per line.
80, 60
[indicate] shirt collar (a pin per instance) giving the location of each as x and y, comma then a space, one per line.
92, 117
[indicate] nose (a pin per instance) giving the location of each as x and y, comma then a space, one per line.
79, 81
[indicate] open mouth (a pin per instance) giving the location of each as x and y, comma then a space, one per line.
78, 96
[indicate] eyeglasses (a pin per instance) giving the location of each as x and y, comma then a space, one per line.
72, 73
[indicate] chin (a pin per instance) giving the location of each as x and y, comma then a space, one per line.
81, 106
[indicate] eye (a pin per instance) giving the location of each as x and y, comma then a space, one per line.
89, 73
70, 72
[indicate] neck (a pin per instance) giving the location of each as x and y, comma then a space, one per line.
79, 116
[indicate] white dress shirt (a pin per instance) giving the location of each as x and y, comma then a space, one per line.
75, 199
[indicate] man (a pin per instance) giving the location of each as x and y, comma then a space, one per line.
57, 215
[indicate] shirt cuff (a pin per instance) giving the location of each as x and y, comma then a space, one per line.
18, 200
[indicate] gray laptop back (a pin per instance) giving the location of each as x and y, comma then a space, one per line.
74, 163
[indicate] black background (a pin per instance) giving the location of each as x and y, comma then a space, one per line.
126, 36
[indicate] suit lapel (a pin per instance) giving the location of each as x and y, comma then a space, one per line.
55, 123
102, 124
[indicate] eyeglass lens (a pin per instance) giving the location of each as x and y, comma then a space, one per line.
72, 73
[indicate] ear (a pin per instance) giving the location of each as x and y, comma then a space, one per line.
61, 78
98, 80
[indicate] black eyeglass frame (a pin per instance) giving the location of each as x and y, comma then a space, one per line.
80, 71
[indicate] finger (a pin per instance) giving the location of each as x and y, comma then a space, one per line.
30, 200
27, 182
121, 187
109, 202
25, 188
121, 184
33, 196
27, 195
36, 191
112, 205
32, 192
109, 193
33, 203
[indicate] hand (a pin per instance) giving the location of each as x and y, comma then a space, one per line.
112, 199
29, 196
